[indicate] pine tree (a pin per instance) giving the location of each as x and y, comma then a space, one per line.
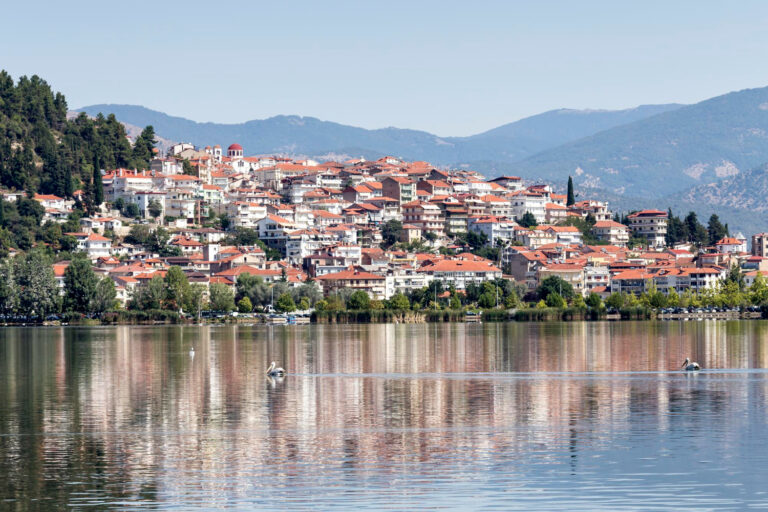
697, 234
716, 230
142, 148
571, 196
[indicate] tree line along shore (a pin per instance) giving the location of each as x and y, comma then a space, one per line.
31, 292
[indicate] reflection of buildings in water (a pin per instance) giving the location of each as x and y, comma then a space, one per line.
357, 395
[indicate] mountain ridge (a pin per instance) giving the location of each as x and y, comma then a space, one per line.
311, 136
668, 152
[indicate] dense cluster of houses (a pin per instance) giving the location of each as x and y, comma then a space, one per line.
325, 219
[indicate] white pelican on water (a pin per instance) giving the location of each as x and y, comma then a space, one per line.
275, 372
689, 366
192, 351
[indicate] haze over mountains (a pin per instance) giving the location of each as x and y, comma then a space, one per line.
310, 136
708, 157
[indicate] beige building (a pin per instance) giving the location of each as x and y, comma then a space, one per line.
426, 216
612, 232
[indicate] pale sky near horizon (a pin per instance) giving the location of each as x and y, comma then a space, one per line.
451, 68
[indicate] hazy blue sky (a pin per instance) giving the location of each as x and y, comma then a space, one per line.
453, 68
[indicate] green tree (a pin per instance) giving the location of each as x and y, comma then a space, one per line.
697, 234
176, 287
555, 284
729, 294
254, 288
578, 302
80, 285
333, 303
9, 292
716, 230
359, 300
138, 235
594, 301
571, 199
676, 230
155, 208
38, 291
528, 220
673, 299
98, 187
222, 298
193, 298
652, 297
615, 300
304, 304
455, 302
244, 305
285, 303
132, 211
142, 148
736, 276
104, 296
399, 301
310, 291
487, 300
148, 296
758, 292
391, 231
555, 300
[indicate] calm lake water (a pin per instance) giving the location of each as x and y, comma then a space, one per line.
496, 416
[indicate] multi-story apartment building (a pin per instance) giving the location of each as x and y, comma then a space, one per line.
598, 209
426, 216
246, 214
400, 188
651, 225
760, 245
494, 228
534, 203
612, 232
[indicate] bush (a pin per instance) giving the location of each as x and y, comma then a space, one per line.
245, 306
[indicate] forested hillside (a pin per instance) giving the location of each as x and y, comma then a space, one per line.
41, 151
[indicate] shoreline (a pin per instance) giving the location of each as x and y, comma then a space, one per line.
402, 317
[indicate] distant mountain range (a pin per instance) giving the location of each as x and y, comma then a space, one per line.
666, 153
708, 157
312, 137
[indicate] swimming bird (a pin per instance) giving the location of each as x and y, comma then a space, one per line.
689, 366
275, 372
192, 352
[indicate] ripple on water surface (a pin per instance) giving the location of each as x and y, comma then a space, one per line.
574, 416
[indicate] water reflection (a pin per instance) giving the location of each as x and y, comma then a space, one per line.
572, 415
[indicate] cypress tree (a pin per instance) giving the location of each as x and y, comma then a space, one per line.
98, 188
571, 197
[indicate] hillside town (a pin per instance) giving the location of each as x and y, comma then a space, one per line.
383, 227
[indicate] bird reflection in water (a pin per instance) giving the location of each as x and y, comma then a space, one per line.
272, 382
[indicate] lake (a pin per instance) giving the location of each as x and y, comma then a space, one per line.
571, 416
